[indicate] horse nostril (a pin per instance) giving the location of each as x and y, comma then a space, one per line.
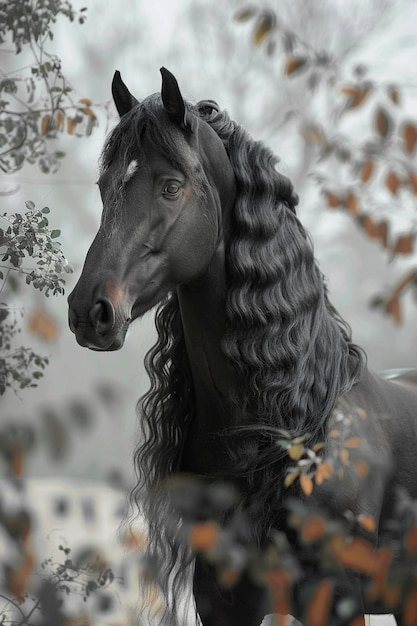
102, 316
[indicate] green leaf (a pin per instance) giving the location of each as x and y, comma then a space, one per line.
30, 205
55, 234
46, 210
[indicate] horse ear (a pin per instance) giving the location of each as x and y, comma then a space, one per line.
122, 97
173, 100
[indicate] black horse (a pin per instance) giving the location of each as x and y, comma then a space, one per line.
197, 220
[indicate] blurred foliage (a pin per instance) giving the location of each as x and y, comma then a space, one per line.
306, 578
375, 169
28, 237
41, 600
36, 102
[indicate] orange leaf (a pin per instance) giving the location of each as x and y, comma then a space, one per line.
86, 101
367, 170
409, 133
353, 442
306, 484
314, 528
393, 182
361, 467
324, 471
294, 64
358, 621
410, 609
344, 457
411, 541
362, 413
393, 309
352, 204
203, 536
404, 244
367, 522
290, 478
43, 326
319, 607
296, 452
334, 433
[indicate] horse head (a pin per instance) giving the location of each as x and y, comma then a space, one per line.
165, 180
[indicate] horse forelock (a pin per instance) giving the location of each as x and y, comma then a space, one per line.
146, 129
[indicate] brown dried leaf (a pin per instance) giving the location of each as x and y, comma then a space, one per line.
353, 442
263, 28
382, 122
203, 536
412, 181
294, 64
70, 125
409, 133
45, 124
319, 606
393, 94
411, 541
404, 244
410, 609
42, 325
245, 14
59, 120
367, 170
356, 94
352, 204
349, 91
393, 309
393, 182
333, 200
314, 528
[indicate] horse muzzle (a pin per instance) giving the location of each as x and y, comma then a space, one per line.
99, 326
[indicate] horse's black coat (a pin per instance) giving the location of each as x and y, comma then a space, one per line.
248, 342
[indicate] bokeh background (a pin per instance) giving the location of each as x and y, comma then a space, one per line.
89, 398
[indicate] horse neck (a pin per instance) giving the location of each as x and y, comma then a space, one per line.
202, 306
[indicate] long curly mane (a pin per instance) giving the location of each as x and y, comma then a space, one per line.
285, 339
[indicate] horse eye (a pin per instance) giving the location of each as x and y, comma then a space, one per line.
171, 189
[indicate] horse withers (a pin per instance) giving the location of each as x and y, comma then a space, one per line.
254, 376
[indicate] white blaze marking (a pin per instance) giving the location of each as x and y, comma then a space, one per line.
131, 169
